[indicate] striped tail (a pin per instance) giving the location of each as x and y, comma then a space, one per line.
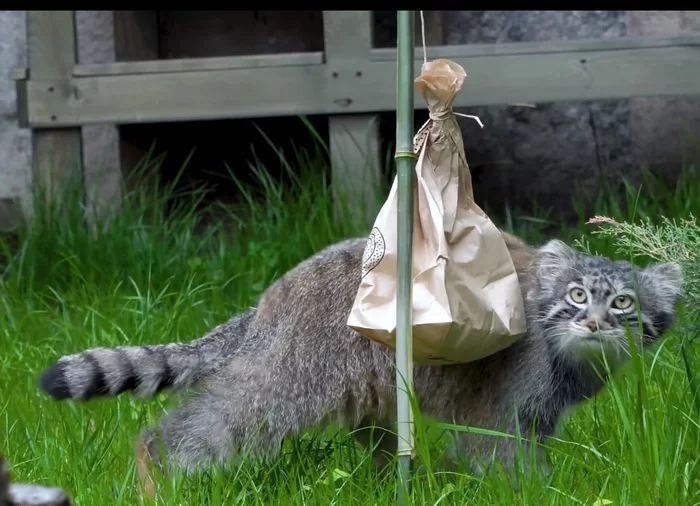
143, 370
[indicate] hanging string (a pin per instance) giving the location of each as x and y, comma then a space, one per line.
475, 118
425, 60
422, 32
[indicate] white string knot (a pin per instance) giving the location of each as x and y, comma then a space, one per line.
442, 115
446, 114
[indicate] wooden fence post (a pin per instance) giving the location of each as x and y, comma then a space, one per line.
52, 54
354, 139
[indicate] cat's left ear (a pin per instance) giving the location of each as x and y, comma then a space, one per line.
666, 282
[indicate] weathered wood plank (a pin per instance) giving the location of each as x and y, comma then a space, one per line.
57, 152
353, 139
347, 35
199, 64
18, 74
545, 74
57, 160
10, 215
192, 95
542, 47
51, 43
385, 54
355, 161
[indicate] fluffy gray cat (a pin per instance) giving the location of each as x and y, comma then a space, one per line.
293, 364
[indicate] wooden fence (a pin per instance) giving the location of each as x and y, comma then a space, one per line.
349, 80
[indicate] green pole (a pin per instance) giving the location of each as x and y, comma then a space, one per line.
405, 163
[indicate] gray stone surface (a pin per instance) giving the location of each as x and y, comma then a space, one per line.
465, 27
544, 153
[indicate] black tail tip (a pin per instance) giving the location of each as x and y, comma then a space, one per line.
53, 382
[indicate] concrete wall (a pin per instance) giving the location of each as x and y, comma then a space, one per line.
523, 154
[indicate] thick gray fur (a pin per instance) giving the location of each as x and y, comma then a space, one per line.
293, 364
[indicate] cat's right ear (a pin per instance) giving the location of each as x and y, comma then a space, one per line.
555, 256
557, 252
667, 282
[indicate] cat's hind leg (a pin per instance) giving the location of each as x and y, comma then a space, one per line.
249, 411
379, 438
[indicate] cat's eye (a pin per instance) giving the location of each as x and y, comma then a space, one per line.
577, 295
622, 302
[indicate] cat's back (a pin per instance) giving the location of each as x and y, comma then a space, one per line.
320, 288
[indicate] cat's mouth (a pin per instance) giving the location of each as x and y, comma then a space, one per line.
585, 334
585, 343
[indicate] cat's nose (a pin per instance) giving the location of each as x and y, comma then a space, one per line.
590, 323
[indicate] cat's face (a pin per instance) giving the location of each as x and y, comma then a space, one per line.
585, 304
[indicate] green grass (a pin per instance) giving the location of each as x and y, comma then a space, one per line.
150, 276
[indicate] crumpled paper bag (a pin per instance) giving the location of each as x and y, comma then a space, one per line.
466, 295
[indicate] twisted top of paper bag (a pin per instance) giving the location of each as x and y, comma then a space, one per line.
439, 82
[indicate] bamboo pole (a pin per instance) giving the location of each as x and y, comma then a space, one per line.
405, 163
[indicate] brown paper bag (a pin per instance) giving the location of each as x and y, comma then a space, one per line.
466, 296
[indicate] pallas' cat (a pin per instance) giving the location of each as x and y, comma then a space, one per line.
292, 363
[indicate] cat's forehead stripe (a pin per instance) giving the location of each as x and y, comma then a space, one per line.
601, 285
